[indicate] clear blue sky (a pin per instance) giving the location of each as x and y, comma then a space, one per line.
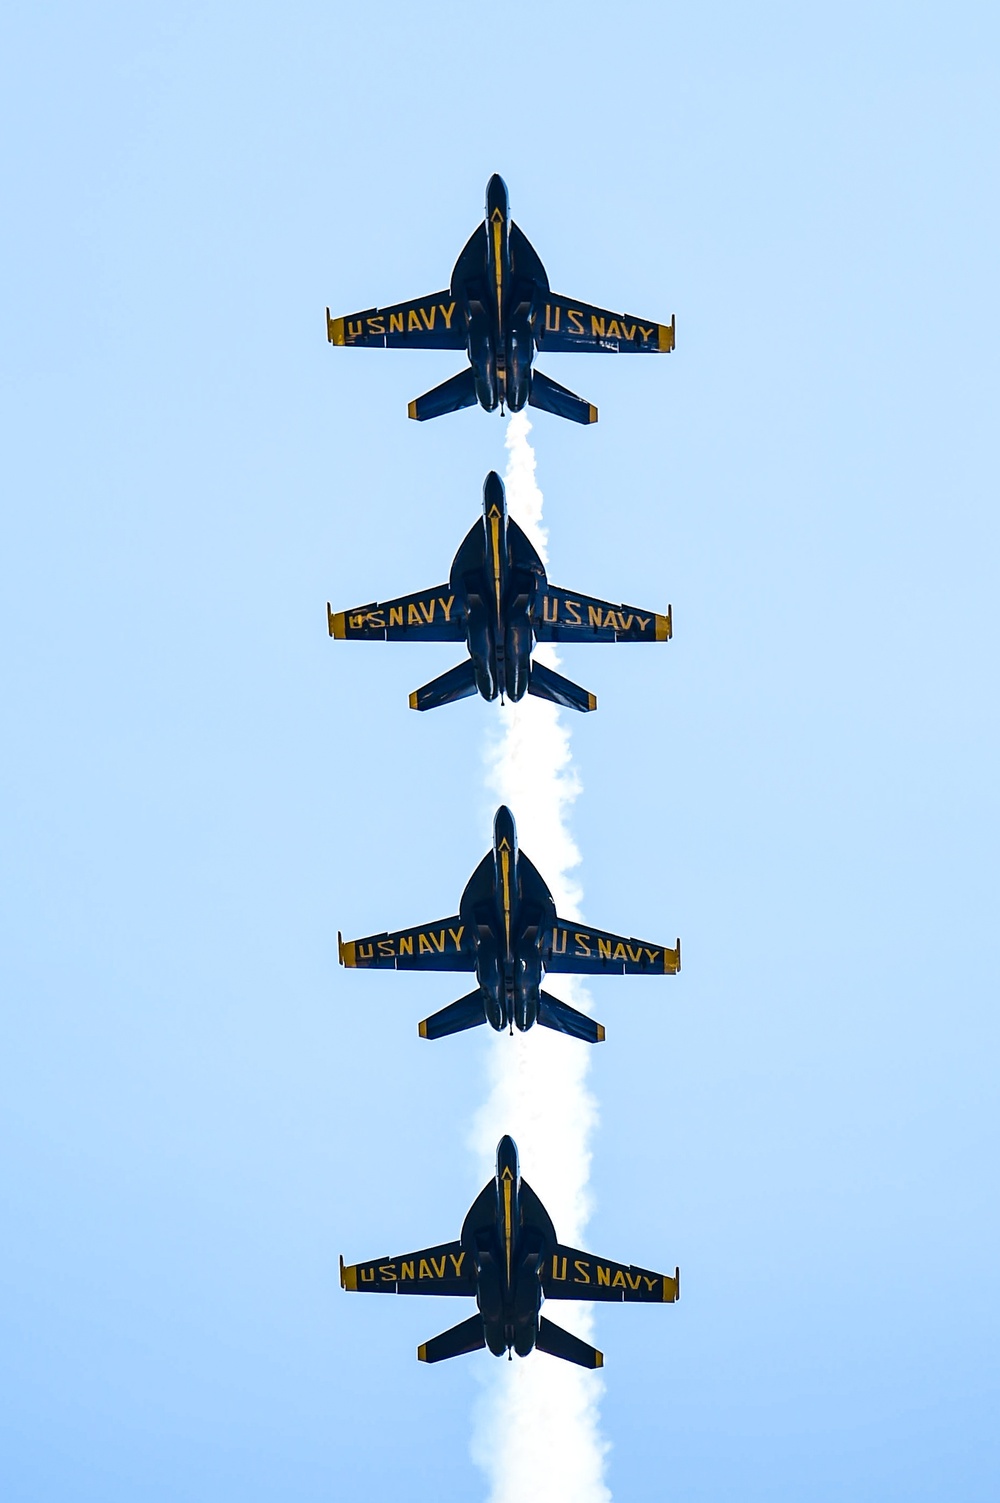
199, 1110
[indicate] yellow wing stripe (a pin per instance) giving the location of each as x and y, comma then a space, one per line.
592, 418
334, 329
348, 1274
598, 1358
667, 334
422, 1352
346, 951
672, 959
665, 625
411, 411
672, 1287
336, 622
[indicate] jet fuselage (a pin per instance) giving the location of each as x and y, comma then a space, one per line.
511, 912
496, 575
508, 1250
497, 287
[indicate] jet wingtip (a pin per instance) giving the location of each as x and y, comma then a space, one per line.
591, 413
601, 1034
334, 329
411, 412
422, 1028
335, 623
422, 1352
598, 1358
413, 700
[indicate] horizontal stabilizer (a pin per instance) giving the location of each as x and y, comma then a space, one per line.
468, 1336
559, 1343
467, 1012
551, 397
457, 683
565, 1019
452, 395
545, 683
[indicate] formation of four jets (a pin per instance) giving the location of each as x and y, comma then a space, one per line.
500, 310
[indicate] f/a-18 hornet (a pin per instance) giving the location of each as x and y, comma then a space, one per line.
499, 602
499, 310
509, 1259
508, 932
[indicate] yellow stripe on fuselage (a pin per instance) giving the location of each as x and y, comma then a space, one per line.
508, 1229
495, 521
497, 264
505, 875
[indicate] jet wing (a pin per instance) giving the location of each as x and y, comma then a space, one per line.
567, 325
571, 1274
567, 616
447, 1269
433, 322
577, 948
444, 945
427, 616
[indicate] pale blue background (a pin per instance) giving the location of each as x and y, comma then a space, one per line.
199, 1109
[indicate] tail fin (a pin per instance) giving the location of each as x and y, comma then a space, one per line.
551, 397
457, 683
467, 1012
559, 1343
468, 1336
545, 683
457, 392
565, 1019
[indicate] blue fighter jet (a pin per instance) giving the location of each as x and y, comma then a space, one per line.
509, 1260
498, 601
499, 309
508, 932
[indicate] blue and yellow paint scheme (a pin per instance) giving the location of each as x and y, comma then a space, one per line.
509, 1260
499, 602
507, 931
500, 310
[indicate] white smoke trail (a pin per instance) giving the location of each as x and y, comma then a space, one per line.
552, 1450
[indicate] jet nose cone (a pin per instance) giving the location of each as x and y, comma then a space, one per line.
504, 829
507, 1156
497, 196
493, 493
